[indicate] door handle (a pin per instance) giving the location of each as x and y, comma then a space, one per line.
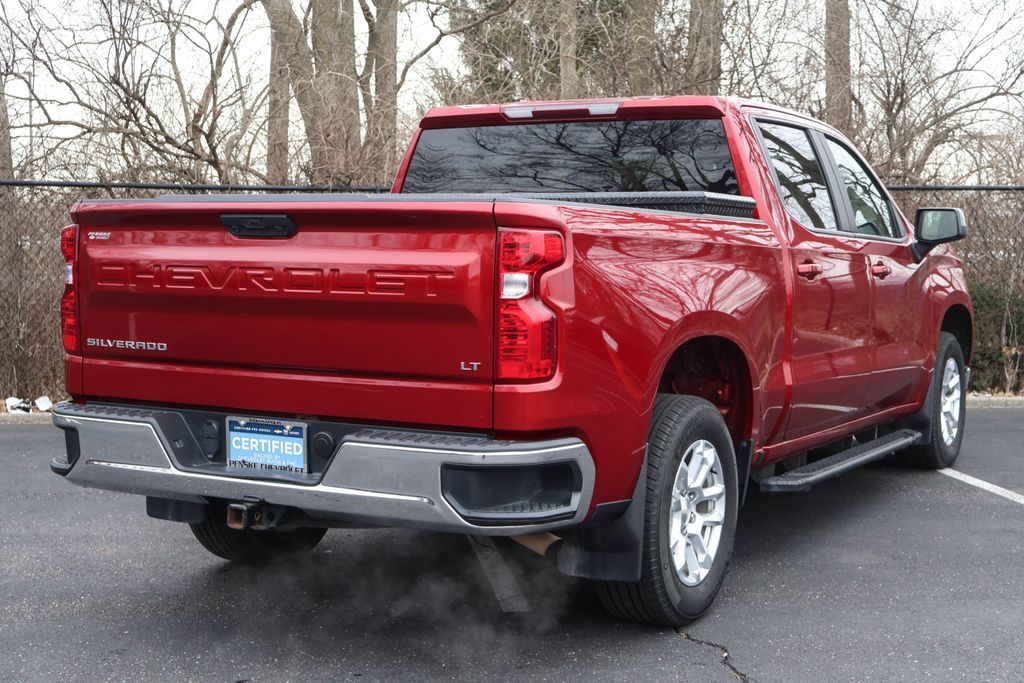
258, 225
808, 270
880, 270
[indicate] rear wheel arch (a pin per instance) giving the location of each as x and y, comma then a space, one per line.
717, 369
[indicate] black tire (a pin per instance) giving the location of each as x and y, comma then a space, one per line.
660, 597
937, 454
249, 546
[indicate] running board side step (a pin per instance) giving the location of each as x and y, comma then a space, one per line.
803, 478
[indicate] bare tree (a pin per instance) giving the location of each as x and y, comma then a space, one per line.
931, 90
139, 91
838, 77
348, 102
930, 87
704, 47
165, 89
596, 48
568, 69
632, 47
323, 78
6, 156
278, 97
641, 45
382, 58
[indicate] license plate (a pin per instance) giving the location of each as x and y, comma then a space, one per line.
264, 444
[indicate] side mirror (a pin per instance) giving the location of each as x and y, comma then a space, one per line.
937, 226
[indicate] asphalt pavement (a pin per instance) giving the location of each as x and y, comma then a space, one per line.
884, 574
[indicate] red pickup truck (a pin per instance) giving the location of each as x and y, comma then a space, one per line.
603, 320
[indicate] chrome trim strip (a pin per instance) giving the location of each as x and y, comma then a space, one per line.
126, 466
294, 487
448, 451
79, 418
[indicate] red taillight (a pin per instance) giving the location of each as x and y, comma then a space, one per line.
68, 240
527, 329
69, 321
69, 302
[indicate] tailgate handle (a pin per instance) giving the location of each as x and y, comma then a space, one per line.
258, 225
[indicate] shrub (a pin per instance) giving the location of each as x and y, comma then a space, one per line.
998, 321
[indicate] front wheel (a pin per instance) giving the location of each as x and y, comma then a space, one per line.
690, 516
248, 546
948, 409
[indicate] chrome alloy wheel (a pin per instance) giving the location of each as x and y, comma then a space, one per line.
697, 512
949, 397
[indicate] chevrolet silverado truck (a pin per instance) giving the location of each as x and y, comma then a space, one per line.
597, 321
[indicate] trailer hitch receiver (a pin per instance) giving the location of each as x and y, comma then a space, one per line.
253, 513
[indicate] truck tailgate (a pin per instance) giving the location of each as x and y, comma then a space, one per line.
370, 307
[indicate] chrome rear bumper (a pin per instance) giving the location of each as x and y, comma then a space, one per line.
383, 477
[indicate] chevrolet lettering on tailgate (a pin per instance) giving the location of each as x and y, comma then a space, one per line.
336, 280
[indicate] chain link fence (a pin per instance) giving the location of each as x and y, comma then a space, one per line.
30, 288
31, 214
31, 270
992, 256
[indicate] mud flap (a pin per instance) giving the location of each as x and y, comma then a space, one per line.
921, 421
610, 551
744, 461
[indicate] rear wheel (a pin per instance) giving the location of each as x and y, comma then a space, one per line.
248, 546
948, 395
690, 516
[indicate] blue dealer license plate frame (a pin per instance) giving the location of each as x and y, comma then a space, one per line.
258, 444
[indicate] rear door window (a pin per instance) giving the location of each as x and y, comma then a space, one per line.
802, 184
588, 156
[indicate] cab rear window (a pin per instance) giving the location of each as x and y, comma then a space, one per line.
591, 156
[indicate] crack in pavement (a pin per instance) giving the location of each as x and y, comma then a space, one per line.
725, 655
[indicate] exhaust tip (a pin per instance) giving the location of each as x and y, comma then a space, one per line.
544, 543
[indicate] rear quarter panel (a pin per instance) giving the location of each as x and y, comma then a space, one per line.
637, 285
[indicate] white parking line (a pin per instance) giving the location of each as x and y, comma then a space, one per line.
503, 583
984, 485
